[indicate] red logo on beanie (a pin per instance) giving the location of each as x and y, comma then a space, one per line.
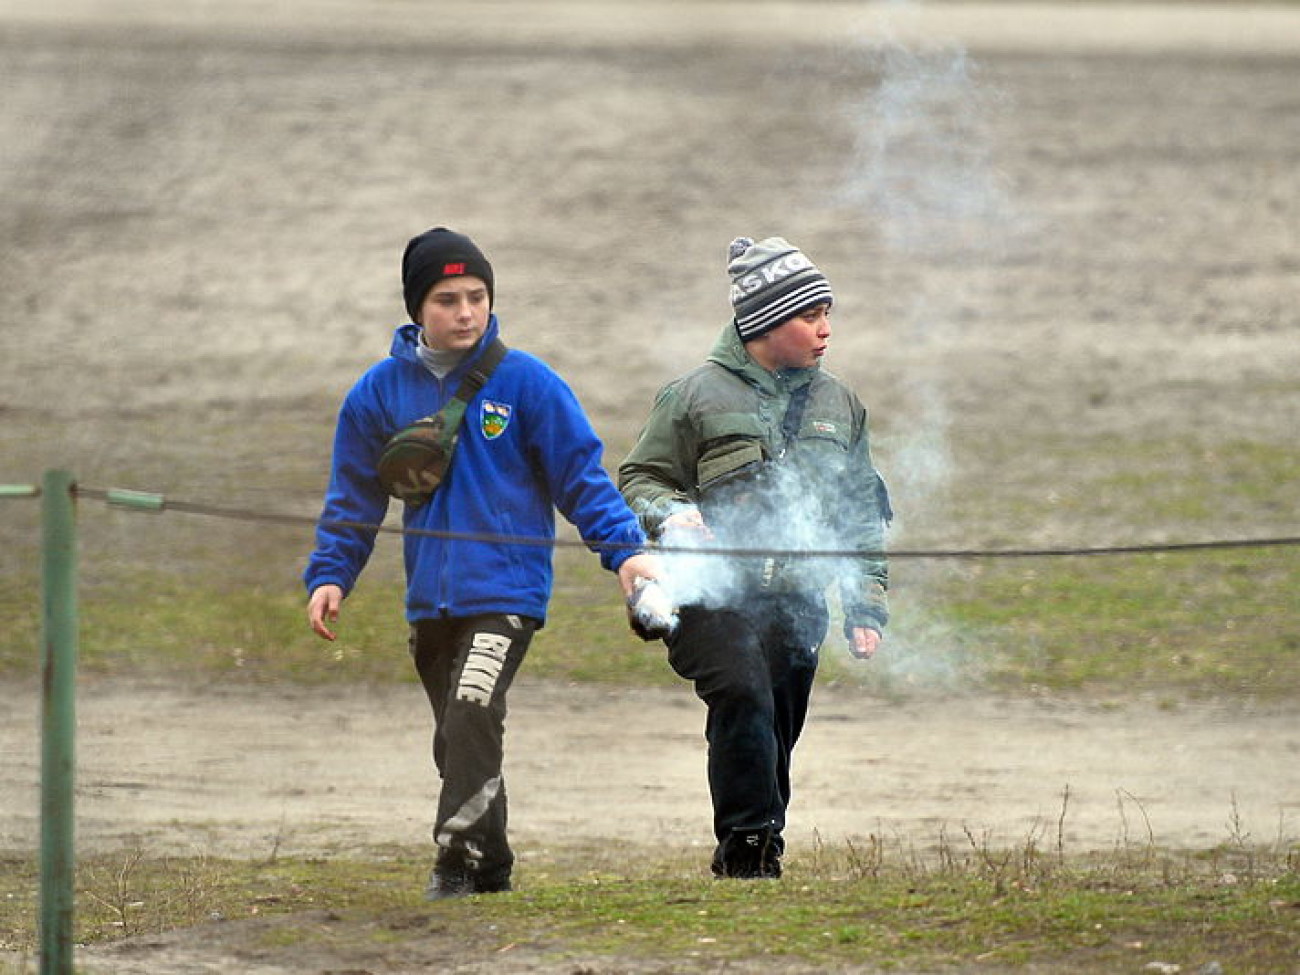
451, 270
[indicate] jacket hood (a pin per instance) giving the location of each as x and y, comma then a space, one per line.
407, 338
729, 352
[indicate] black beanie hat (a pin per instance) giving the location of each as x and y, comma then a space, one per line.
771, 282
436, 254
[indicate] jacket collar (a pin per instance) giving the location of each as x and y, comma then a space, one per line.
407, 337
729, 352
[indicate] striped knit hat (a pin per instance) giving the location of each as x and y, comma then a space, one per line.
771, 282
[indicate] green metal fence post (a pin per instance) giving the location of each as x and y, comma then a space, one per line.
58, 713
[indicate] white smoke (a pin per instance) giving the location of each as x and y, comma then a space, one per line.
706, 579
786, 520
924, 173
923, 166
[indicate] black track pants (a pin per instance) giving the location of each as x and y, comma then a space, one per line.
754, 669
466, 667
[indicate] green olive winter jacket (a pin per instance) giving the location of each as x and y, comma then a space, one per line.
717, 439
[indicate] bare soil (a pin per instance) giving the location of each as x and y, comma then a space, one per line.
1042, 222
248, 771
262, 772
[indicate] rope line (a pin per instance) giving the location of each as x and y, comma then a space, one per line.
145, 501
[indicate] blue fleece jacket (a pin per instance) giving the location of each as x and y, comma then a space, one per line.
526, 449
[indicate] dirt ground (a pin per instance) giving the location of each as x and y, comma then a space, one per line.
297, 771
253, 773
1049, 221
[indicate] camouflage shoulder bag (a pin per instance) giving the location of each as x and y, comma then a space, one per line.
415, 460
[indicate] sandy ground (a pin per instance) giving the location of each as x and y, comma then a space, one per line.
1054, 221
256, 773
249, 771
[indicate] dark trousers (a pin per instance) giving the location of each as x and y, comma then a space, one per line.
753, 667
466, 667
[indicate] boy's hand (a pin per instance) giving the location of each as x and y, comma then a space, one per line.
323, 608
865, 642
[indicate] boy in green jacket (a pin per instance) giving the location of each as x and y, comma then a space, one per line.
760, 448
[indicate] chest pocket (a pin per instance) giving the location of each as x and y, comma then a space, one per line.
732, 446
826, 431
823, 445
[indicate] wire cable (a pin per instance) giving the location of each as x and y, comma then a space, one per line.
148, 501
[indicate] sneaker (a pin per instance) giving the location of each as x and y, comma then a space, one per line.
748, 854
448, 880
496, 884
445, 882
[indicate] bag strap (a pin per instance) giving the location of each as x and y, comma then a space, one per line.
454, 409
477, 377
453, 412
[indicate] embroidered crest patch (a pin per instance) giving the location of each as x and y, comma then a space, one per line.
494, 418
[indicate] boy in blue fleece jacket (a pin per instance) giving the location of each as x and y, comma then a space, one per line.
525, 450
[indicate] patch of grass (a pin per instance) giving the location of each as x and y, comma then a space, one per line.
254, 633
1195, 624
174, 596
1179, 482
186, 625
1089, 491
902, 922
130, 892
20, 608
1183, 624
866, 904
587, 637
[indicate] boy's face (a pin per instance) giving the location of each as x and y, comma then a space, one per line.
798, 343
454, 314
